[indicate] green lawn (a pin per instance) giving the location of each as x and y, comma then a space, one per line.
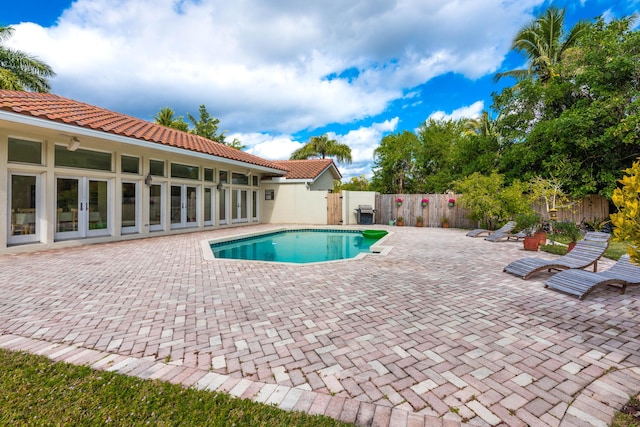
614, 251
37, 391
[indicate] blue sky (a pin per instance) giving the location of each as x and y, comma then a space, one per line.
276, 73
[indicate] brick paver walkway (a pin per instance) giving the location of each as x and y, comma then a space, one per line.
432, 334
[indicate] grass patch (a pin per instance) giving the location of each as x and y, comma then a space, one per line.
614, 251
629, 416
36, 391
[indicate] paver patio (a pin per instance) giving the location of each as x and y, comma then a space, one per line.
432, 334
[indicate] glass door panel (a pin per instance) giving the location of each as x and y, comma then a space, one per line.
222, 206
208, 206
67, 204
23, 207
156, 208
129, 215
254, 205
191, 199
176, 205
97, 208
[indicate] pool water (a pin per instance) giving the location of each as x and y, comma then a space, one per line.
296, 246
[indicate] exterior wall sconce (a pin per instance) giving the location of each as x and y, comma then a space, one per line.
74, 144
148, 180
219, 186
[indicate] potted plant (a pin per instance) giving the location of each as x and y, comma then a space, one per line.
425, 202
399, 201
445, 222
569, 230
452, 202
419, 221
400, 221
528, 223
541, 234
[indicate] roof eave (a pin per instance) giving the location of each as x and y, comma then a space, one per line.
80, 131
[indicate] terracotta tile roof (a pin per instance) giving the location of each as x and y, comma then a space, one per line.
305, 169
58, 109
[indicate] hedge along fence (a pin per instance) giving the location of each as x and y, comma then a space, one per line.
590, 208
411, 208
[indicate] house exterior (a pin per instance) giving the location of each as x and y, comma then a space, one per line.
77, 174
303, 190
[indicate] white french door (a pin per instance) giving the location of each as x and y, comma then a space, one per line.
184, 206
240, 206
24, 208
83, 207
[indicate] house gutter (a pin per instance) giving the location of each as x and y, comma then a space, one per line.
92, 133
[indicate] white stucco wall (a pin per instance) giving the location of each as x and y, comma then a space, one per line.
293, 204
350, 202
323, 183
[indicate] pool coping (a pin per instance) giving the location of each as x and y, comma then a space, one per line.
377, 249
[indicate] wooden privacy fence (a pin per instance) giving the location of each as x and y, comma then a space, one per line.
588, 209
387, 209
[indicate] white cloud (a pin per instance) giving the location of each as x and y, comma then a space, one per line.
470, 111
263, 66
362, 141
267, 146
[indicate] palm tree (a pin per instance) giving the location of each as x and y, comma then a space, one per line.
322, 146
167, 117
544, 41
482, 126
21, 71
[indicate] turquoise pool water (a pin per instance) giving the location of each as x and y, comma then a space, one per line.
296, 246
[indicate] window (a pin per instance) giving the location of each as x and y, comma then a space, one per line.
21, 151
209, 175
83, 159
239, 178
184, 171
224, 177
255, 180
156, 167
130, 164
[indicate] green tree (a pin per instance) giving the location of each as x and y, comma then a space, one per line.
480, 149
544, 42
394, 163
167, 117
435, 155
236, 143
489, 200
323, 147
582, 123
627, 219
206, 125
21, 71
356, 183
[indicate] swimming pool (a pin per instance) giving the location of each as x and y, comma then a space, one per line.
298, 246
